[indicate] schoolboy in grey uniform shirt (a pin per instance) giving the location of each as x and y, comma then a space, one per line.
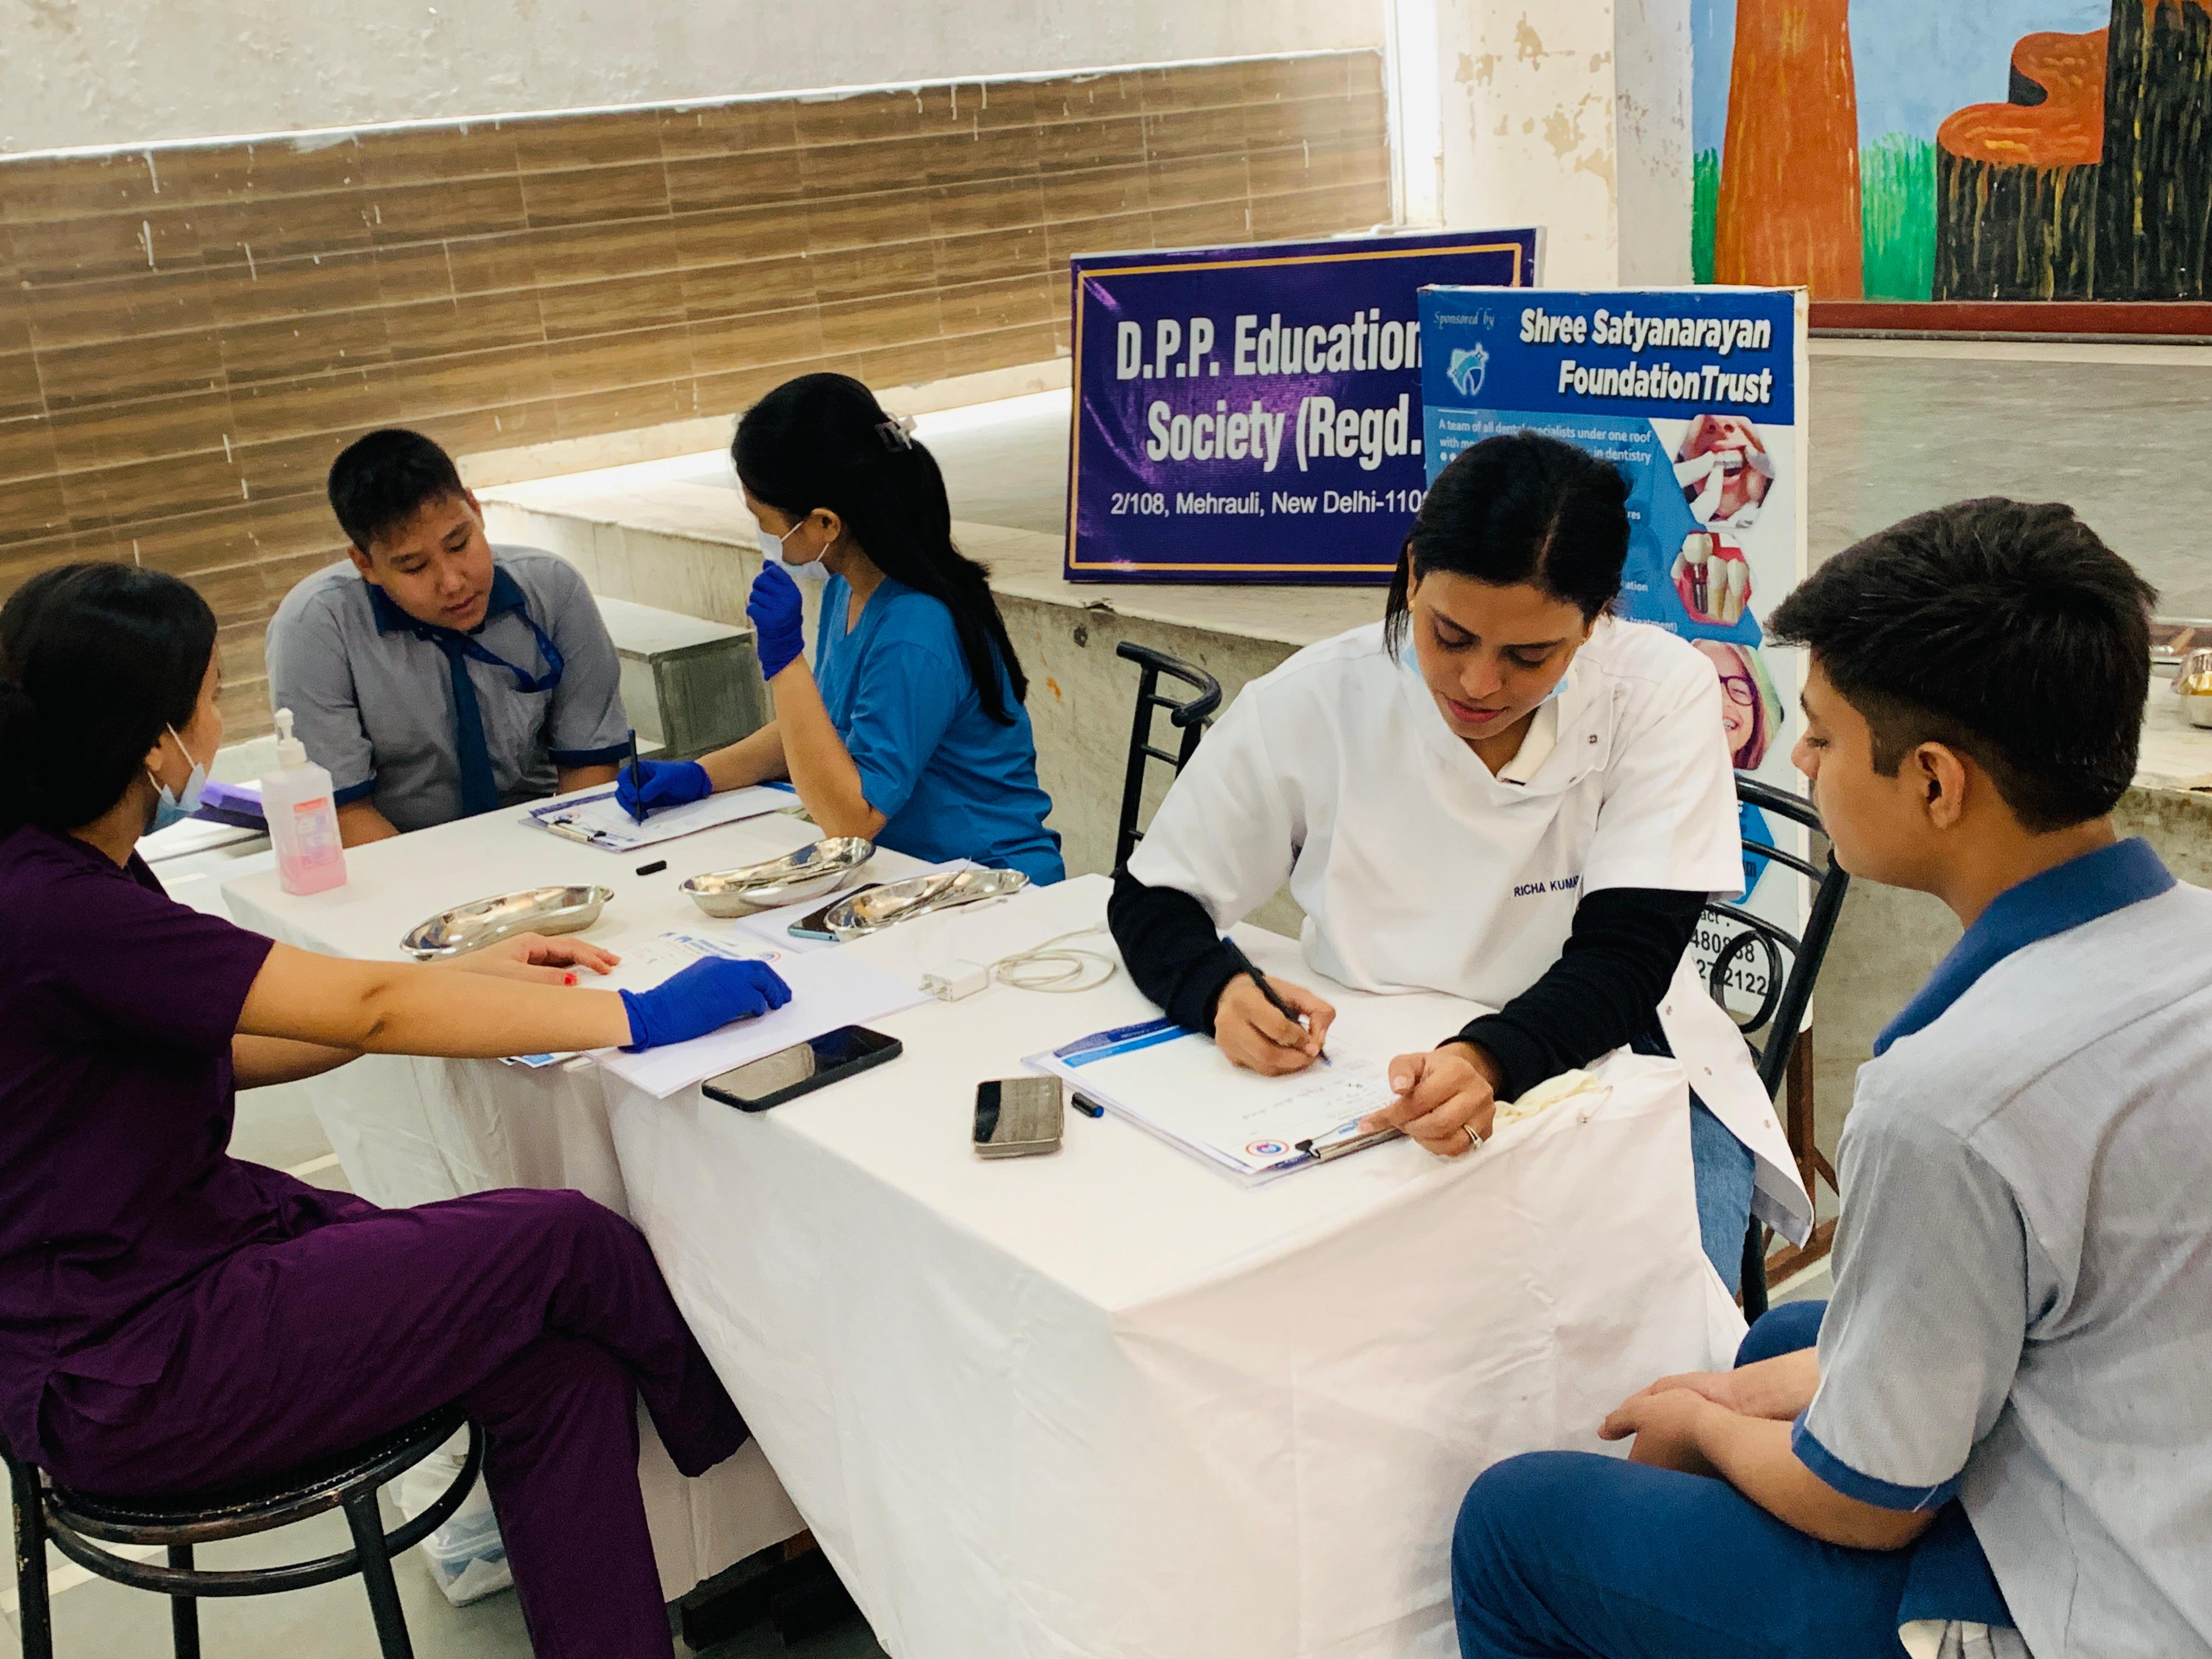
2022, 1320
433, 675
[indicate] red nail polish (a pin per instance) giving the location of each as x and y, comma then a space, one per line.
569, 979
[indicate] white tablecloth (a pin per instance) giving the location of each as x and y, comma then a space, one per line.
414, 1131
1110, 1402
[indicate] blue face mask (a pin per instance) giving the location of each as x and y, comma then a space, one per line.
170, 809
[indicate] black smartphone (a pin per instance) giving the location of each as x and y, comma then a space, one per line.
1018, 1117
816, 924
802, 1068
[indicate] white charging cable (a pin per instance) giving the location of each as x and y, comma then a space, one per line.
1055, 966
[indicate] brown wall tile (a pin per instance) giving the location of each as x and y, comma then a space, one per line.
862, 273
611, 138
350, 400
118, 308
158, 366
288, 349
897, 318
592, 196
144, 429
439, 212
275, 290
699, 183
749, 125
27, 447
730, 344
441, 328
609, 307
736, 290
422, 155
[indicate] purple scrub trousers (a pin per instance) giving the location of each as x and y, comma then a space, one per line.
543, 1312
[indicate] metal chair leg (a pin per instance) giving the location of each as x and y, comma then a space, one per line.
33, 1616
184, 1610
367, 1523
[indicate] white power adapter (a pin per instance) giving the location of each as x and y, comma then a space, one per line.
955, 981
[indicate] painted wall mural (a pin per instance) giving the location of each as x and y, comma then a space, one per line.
1911, 149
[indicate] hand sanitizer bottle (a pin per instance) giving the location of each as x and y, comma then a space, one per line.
303, 817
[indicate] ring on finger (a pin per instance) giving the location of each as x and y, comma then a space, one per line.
1474, 1140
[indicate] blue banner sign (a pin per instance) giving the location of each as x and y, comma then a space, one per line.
1254, 414
1695, 394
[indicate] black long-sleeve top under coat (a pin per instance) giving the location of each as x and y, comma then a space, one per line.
1603, 992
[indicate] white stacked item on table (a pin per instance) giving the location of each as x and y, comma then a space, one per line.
1110, 1402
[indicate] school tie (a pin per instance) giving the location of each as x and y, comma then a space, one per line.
479, 787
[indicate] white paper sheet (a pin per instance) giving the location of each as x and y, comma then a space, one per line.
828, 989
601, 821
1182, 1087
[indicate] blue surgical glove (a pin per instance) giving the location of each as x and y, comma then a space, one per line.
703, 997
778, 633
661, 783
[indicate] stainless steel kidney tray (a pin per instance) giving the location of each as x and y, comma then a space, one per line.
902, 901
471, 927
812, 871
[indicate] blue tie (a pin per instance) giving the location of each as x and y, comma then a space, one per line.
479, 787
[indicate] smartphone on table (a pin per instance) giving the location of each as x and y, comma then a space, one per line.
802, 1068
1018, 1117
815, 925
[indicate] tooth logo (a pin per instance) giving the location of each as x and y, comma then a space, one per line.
1469, 364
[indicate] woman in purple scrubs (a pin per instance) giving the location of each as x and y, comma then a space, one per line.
172, 1318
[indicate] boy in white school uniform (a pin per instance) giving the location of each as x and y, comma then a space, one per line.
2003, 1441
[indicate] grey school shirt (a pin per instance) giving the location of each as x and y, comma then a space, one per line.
372, 700
2023, 1305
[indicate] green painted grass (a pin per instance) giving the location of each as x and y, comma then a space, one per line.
1705, 208
1897, 193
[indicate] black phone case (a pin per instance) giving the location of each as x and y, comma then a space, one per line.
819, 1080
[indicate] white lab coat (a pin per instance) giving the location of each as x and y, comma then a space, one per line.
1420, 870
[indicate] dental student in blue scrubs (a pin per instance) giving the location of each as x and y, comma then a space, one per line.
909, 730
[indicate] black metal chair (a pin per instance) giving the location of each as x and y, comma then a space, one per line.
348, 1481
1757, 946
1188, 717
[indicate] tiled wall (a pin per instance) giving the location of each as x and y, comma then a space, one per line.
188, 336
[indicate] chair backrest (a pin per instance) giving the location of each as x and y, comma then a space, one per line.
1188, 716
1783, 963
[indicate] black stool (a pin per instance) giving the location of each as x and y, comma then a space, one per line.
348, 1481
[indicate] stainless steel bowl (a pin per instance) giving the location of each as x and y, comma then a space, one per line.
902, 901
813, 872
468, 928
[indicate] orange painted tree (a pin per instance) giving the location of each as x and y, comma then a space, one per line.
1788, 209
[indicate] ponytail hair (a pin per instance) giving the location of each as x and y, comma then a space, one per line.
823, 441
96, 661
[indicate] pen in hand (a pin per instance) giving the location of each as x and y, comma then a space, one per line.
1275, 1001
636, 781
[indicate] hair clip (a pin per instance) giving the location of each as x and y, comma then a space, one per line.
897, 433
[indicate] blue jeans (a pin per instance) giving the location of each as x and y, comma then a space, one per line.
1723, 1169
1570, 1555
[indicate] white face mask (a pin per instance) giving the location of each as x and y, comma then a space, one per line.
771, 547
169, 808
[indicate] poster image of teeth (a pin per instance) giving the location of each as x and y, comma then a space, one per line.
1697, 396
1253, 414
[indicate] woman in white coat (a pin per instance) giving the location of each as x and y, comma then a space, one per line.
1500, 792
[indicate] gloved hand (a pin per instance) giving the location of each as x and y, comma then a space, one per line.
704, 997
774, 609
661, 783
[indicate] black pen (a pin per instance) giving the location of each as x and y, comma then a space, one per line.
1275, 998
636, 782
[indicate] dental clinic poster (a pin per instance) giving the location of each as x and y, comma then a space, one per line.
1254, 414
1697, 396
